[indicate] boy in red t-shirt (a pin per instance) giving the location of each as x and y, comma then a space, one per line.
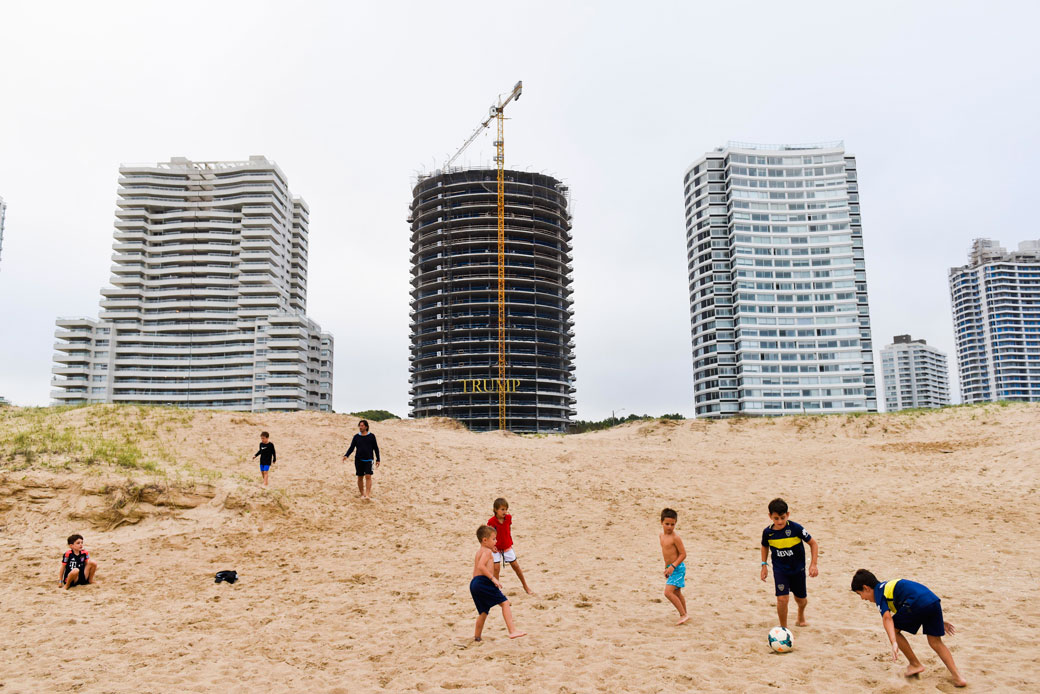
502, 522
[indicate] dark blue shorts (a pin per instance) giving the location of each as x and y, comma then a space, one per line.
362, 467
485, 594
789, 581
264, 468
929, 616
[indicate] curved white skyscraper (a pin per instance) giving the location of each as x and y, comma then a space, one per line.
778, 293
208, 297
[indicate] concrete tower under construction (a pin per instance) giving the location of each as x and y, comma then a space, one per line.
454, 317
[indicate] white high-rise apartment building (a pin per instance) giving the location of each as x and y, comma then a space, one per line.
914, 375
208, 297
3, 214
996, 322
778, 291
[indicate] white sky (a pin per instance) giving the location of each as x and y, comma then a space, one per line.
937, 100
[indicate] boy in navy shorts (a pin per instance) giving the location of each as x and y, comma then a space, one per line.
786, 540
485, 588
908, 606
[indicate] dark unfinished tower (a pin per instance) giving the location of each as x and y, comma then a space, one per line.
454, 326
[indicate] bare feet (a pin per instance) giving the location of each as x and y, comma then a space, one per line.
801, 623
912, 670
682, 620
960, 683
517, 634
476, 638
529, 591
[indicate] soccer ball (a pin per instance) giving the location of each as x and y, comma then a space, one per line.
781, 640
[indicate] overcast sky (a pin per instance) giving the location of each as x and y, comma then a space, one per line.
937, 101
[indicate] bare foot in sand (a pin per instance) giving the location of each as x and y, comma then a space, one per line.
517, 634
476, 638
912, 670
801, 623
682, 620
960, 683
530, 592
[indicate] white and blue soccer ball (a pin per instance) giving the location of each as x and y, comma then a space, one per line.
781, 640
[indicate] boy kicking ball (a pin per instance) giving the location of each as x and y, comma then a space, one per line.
908, 606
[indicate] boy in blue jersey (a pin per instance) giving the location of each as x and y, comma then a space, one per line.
908, 606
786, 541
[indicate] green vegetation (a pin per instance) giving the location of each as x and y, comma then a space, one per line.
582, 426
375, 415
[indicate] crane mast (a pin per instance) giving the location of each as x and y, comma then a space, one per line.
497, 113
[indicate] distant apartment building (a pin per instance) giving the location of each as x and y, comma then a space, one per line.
914, 375
996, 318
207, 306
3, 214
779, 317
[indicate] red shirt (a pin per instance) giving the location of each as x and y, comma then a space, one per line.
504, 540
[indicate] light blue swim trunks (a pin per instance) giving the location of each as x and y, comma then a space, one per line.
678, 577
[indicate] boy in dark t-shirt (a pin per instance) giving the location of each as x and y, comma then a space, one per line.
77, 568
908, 606
786, 542
267, 454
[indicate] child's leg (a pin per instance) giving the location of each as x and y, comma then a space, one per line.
498, 568
801, 602
674, 597
89, 570
264, 473
682, 599
520, 575
72, 579
480, 625
781, 609
944, 654
507, 614
913, 664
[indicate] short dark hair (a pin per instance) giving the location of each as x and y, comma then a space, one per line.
500, 503
265, 434
669, 513
484, 532
74, 537
365, 422
863, 578
778, 506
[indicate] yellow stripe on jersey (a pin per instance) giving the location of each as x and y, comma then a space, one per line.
785, 542
890, 591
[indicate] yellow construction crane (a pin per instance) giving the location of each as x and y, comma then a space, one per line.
497, 112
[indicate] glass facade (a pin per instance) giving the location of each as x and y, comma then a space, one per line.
778, 295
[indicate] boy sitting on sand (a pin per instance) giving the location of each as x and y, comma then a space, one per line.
77, 568
786, 541
266, 453
502, 522
908, 606
485, 588
675, 567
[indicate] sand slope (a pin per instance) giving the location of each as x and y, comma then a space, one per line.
343, 596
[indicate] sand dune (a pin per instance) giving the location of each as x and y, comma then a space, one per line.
338, 595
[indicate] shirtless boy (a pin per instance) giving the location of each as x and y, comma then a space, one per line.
485, 588
674, 557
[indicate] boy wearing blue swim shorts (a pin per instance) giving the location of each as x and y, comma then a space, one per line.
485, 588
266, 453
786, 542
908, 606
675, 567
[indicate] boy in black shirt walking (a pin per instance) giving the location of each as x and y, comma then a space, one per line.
266, 453
366, 446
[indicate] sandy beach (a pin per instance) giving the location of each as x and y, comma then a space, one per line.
343, 596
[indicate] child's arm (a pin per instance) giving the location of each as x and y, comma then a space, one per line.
484, 566
61, 573
890, 629
765, 567
274, 456
678, 559
813, 571
257, 453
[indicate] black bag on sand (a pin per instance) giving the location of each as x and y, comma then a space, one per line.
229, 576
